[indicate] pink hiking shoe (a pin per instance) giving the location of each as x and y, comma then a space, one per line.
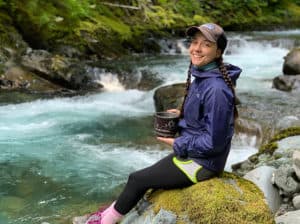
95, 218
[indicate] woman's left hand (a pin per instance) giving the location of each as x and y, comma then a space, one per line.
169, 141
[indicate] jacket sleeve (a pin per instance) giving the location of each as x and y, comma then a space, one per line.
218, 112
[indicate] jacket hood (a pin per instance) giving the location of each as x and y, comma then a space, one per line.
233, 71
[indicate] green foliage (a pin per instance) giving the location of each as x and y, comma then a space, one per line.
48, 19
2, 3
188, 8
9, 37
237, 14
161, 18
82, 23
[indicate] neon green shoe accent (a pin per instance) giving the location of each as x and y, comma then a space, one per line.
189, 167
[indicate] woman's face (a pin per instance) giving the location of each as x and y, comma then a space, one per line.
203, 51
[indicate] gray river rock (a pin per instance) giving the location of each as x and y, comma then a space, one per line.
262, 176
296, 163
292, 217
291, 65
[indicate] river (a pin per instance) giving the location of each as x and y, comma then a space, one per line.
62, 157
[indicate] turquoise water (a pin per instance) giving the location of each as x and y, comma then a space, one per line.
63, 157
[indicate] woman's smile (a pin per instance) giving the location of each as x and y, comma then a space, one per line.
203, 51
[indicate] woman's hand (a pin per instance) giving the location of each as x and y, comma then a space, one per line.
169, 141
176, 111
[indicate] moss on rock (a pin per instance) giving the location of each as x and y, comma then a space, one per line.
272, 145
116, 28
229, 199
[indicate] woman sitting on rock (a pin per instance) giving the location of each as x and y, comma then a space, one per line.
205, 129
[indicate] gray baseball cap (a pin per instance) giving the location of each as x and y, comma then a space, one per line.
212, 32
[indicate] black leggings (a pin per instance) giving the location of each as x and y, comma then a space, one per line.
162, 175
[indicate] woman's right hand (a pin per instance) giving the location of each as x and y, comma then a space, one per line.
168, 141
176, 111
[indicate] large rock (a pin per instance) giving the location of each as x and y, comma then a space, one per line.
169, 97
296, 202
228, 199
289, 218
277, 152
162, 217
262, 176
287, 146
60, 70
284, 179
287, 83
18, 78
291, 65
296, 163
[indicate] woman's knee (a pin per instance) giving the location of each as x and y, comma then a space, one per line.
138, 178
135, 177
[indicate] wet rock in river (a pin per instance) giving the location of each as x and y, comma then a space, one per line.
291, 65
287, 83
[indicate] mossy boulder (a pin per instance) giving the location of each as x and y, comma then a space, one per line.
228, 199
276, 152
272, 145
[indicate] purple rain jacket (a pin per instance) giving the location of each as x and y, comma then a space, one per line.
207, 126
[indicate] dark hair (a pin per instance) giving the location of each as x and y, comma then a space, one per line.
229, 83
222, 42
187, 87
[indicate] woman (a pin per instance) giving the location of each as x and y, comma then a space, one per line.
206, 126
